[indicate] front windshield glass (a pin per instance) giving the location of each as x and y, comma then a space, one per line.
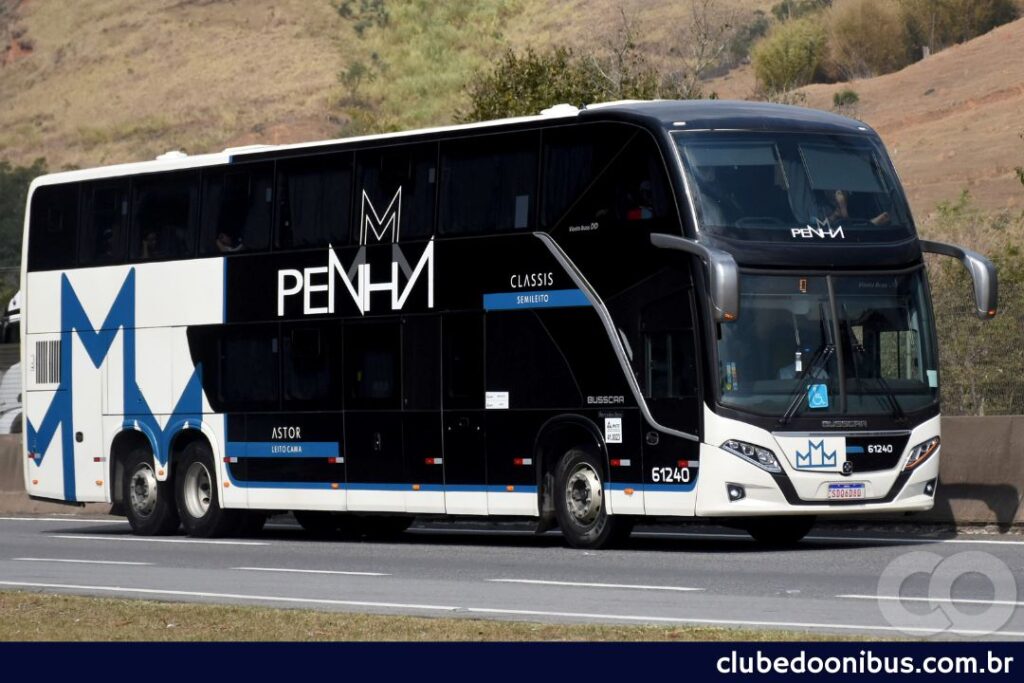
829, 345
793, 186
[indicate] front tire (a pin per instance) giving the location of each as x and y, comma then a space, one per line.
779, 532
580, 506
198, 497
148, 503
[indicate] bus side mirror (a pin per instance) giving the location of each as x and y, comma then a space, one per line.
723, 274
983, 274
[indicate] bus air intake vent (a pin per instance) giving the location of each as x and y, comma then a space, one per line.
48, 362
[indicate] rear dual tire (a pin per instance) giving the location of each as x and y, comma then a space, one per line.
148, 503
198, 498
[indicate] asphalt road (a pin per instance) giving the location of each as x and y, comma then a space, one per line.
666, 575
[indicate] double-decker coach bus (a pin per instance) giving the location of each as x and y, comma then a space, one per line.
666, 309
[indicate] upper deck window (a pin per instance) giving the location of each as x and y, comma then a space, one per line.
488, 183
164, 208
54, 223
793, 186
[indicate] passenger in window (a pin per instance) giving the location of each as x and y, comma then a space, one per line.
643, 205
227, 243
151, 245
842, 210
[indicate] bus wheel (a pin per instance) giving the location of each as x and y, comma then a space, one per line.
149, 504
779, 532
197, 496
579, 503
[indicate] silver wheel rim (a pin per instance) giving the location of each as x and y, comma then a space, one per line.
142, 491
198, 487
584, 496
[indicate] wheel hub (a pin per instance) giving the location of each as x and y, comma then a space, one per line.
198, 488
143, 491
584, 495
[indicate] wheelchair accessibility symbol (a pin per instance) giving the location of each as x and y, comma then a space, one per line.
817, 396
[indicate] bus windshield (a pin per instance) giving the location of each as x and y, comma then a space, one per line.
829, 345
793, 186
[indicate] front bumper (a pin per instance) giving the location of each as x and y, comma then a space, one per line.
797, 492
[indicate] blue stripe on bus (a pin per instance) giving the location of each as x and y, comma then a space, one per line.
652, 488
382, 487
552, 298
854, 449
282, 449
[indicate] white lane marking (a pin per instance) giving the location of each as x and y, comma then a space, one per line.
582, 584
77, 520
948, 601
147, 539
843, 539
54, 559
309, 571
505, 612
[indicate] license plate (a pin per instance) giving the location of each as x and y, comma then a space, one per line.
845, 491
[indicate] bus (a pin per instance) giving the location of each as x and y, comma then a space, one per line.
584, 318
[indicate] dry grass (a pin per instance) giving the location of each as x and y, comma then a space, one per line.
41, 617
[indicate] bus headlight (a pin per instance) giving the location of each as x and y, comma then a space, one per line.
762, 457
921, 452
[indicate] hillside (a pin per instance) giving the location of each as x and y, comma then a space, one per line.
951, 121
100, 81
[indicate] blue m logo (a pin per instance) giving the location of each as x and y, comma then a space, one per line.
816, 456
97, 344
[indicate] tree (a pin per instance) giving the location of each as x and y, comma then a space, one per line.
14, 182
790, 56
867, 38
527, 82
941, 23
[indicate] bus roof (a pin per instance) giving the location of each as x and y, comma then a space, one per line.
665, 114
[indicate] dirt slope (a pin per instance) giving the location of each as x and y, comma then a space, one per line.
951, 121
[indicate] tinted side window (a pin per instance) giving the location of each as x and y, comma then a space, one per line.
421, 355
489, 183
314, 196
163, 222
575, 157
248, 377
381, 173
523, 360
53, 226
311, 366
463, 361
104, 222
372, 366
237, 208
591, 178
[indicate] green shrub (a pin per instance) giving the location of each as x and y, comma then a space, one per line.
981, 362
868, 38
791, 56
14, 182
845, 98
939, 24
787, 10
524, 84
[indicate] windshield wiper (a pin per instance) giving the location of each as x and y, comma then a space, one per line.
858, 348
818, 362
